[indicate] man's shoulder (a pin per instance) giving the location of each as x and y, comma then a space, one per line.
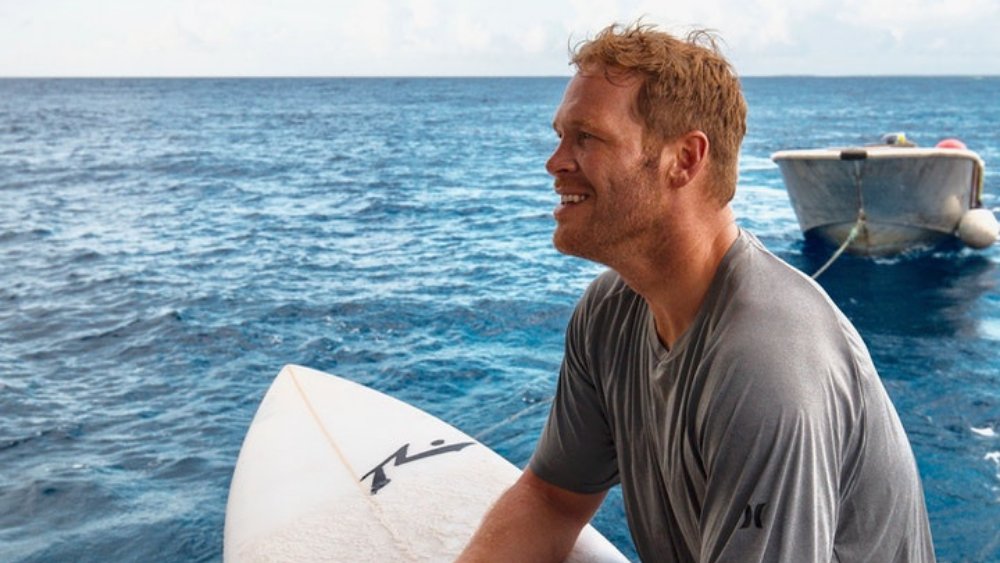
763, 287
775, 321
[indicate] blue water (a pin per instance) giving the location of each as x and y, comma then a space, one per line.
167, 245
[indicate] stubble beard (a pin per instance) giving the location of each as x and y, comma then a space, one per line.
618, 224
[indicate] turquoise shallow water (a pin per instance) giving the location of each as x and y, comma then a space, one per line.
167, 245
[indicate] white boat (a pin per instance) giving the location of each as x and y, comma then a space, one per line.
883, 199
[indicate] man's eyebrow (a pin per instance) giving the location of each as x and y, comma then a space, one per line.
579, 124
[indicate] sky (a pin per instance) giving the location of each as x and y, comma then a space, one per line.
482, 38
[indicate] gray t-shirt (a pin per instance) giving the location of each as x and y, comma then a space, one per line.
764, 434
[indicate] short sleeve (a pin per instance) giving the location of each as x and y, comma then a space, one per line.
576, 450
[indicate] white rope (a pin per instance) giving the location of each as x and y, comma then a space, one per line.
847, 242
856, 229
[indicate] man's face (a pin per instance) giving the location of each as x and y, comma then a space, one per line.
608, 186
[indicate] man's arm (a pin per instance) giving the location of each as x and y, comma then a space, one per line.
533, 521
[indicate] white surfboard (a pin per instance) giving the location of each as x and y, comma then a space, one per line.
333, 471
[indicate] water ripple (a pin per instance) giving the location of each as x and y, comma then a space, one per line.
167, 245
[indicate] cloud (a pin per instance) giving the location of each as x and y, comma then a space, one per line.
925, 36
533, 40
424, 14
898, 13
590, 16
206, 26
369, 26
757, 25
428, 37
470, 34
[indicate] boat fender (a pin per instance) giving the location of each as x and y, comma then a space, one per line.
978, 228
951, 144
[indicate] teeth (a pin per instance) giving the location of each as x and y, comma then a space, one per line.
573, 198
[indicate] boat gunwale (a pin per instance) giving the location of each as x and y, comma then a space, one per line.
877, 152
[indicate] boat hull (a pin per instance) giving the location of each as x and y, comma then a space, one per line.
879, 239
898, 198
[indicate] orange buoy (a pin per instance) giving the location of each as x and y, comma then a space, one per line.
951, 144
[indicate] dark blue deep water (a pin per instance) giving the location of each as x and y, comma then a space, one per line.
167, 245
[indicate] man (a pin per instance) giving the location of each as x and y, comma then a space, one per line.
733, 401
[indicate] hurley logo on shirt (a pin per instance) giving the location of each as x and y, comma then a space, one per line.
753, 513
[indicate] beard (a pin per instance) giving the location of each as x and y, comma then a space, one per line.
623, 216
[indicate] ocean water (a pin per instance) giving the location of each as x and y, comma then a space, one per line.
167, 245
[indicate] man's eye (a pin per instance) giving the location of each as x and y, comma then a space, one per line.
583, 136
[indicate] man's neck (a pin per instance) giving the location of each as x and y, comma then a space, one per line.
675, 278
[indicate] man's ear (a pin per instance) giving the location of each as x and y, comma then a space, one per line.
690, 155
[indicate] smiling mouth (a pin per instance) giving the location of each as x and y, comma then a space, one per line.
572, 198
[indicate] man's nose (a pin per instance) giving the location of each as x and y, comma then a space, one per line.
561, 161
